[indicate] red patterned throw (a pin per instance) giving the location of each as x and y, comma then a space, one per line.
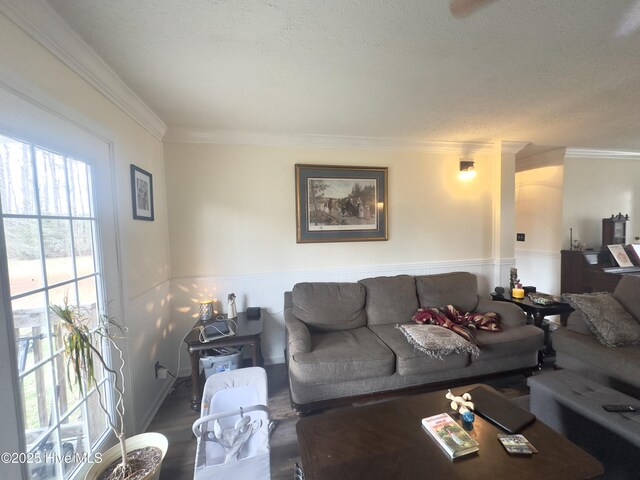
464, 324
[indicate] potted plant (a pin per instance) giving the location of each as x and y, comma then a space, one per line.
138, 457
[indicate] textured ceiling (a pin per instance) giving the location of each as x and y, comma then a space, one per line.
550, 72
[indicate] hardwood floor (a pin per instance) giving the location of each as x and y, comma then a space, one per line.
175, 417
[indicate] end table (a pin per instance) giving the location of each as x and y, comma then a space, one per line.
248, 333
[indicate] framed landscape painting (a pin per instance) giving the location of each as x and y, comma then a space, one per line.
341, 204
141, 194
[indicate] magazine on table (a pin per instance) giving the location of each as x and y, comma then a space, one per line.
449, 435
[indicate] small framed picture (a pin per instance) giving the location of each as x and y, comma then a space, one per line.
341, 204
141, 194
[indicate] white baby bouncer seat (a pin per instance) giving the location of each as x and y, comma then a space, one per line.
233, 428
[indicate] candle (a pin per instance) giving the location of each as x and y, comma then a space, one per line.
517, 292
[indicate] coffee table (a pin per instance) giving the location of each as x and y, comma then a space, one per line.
386, 440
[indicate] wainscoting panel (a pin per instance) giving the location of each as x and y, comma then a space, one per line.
266, 290
151, 337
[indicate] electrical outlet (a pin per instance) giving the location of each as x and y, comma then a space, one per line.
520, 237
162, 373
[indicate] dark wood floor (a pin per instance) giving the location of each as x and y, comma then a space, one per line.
175, 417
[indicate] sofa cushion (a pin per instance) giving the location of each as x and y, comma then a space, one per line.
577, 322
509, 342
330, 306
628, 294
343, 356
611, 323
584, 354
459, 289
411, 361
390, 299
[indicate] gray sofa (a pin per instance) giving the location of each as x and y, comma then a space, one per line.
578, 349
342, 340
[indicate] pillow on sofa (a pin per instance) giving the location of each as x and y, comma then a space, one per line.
609, 321
437, 341
459, 289
390, 299
329, 306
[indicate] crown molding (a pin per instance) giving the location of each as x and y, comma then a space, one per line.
239, 137
512, 148
606, 154
45, 26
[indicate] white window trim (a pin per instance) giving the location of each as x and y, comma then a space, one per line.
29, 112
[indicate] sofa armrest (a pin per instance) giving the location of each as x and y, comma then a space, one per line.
510, 314
298, 337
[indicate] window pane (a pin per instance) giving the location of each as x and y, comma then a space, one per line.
16, 177
97, 417
83, 244
37, 402
48, 446
89, 301
31, 330
73, 436
68, 394
52, 183
57, 250
22, 238
79, 179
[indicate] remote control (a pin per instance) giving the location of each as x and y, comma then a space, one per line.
619, 408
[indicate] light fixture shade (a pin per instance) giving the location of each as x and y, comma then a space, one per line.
466, 165
467, 170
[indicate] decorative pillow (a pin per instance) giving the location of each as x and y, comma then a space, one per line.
609, 321
437, 341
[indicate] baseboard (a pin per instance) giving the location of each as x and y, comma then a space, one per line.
151, 413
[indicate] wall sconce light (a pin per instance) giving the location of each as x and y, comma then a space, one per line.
467, 170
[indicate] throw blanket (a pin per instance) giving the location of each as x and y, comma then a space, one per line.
436, 341
464, 324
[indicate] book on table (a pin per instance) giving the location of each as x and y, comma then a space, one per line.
449, 435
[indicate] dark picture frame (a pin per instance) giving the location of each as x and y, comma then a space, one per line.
340, 203
142, 194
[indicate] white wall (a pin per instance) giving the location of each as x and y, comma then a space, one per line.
539, 198
31, 72
233, 224
595, 188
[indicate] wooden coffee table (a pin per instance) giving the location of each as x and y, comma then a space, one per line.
386, 440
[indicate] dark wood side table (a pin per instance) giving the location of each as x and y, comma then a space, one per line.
248, 333
535, 310
538, 312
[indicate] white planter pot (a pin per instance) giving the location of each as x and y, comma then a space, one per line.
138, 441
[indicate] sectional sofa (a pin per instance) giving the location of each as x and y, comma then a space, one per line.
342, 340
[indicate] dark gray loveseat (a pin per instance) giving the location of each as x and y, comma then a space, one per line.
578, 349
342, 340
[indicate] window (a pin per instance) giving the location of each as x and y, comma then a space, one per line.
52, 252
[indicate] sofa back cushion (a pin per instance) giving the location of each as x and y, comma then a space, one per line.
459, 289
329, 306
390, 299
628, 294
